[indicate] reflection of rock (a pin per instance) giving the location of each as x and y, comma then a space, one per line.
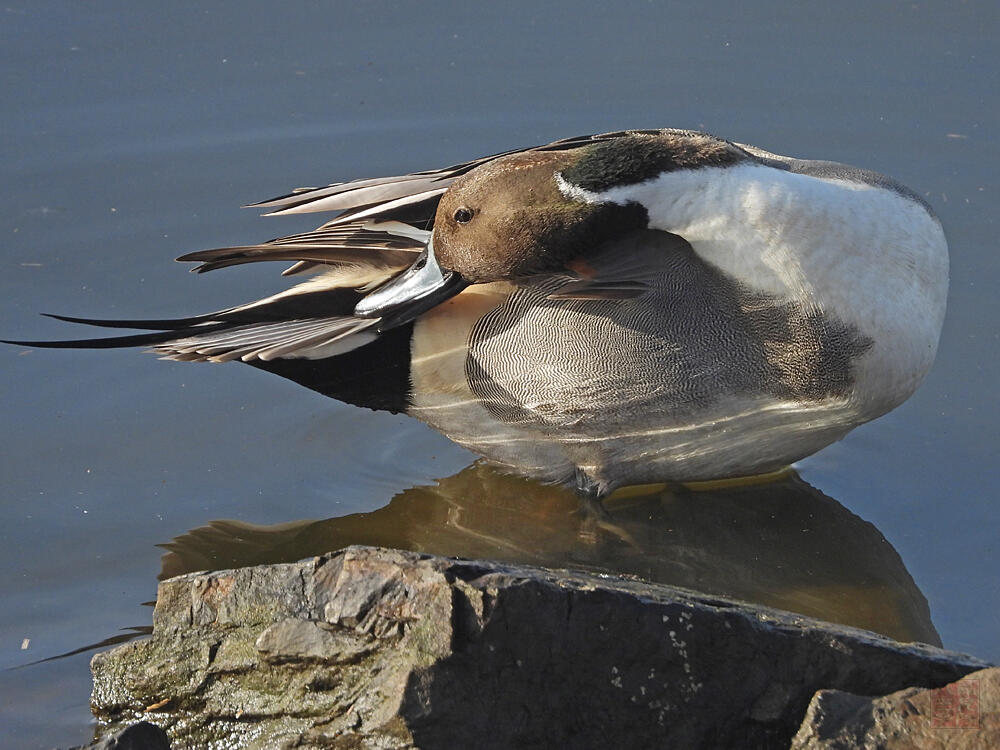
394, 650
782, 544
964, 715
140, 736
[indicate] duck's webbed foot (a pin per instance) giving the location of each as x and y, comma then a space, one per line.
589, 492
596, 518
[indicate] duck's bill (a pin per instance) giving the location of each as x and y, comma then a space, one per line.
415, 291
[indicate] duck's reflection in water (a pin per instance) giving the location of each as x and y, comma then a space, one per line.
783, 543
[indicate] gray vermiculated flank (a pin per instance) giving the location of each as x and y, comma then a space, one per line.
695, 337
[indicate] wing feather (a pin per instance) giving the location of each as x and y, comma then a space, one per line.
383, 222
290, 339
380, 190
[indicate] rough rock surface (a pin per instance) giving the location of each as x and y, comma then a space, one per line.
371, 647
964, 715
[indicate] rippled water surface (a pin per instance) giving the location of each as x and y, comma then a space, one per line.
131, 132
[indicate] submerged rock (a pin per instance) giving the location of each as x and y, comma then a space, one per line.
371, 647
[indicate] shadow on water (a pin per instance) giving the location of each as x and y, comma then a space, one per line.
783, 544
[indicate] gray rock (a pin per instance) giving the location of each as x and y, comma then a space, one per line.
380, 648
964, 715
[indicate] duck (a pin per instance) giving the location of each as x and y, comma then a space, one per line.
631, 307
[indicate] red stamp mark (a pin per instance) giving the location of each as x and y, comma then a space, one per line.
956, 705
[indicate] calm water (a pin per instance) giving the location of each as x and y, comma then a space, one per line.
131, 132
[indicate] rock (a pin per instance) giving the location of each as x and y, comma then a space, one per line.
963, 715
782, 543
141, 736
371, 647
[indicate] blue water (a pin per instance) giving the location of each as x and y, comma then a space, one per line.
130, 132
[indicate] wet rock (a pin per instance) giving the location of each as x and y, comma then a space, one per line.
963, 715
371, 647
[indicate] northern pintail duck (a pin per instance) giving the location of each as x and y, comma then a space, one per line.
637, 306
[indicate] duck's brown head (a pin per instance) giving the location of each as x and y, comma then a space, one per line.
504, 221
509, 219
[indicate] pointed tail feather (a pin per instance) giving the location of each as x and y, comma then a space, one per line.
166, 324
111, 342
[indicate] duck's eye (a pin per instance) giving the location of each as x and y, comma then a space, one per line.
463, 215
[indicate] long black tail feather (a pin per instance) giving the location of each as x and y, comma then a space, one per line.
117, 342
307, 305
171, 324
